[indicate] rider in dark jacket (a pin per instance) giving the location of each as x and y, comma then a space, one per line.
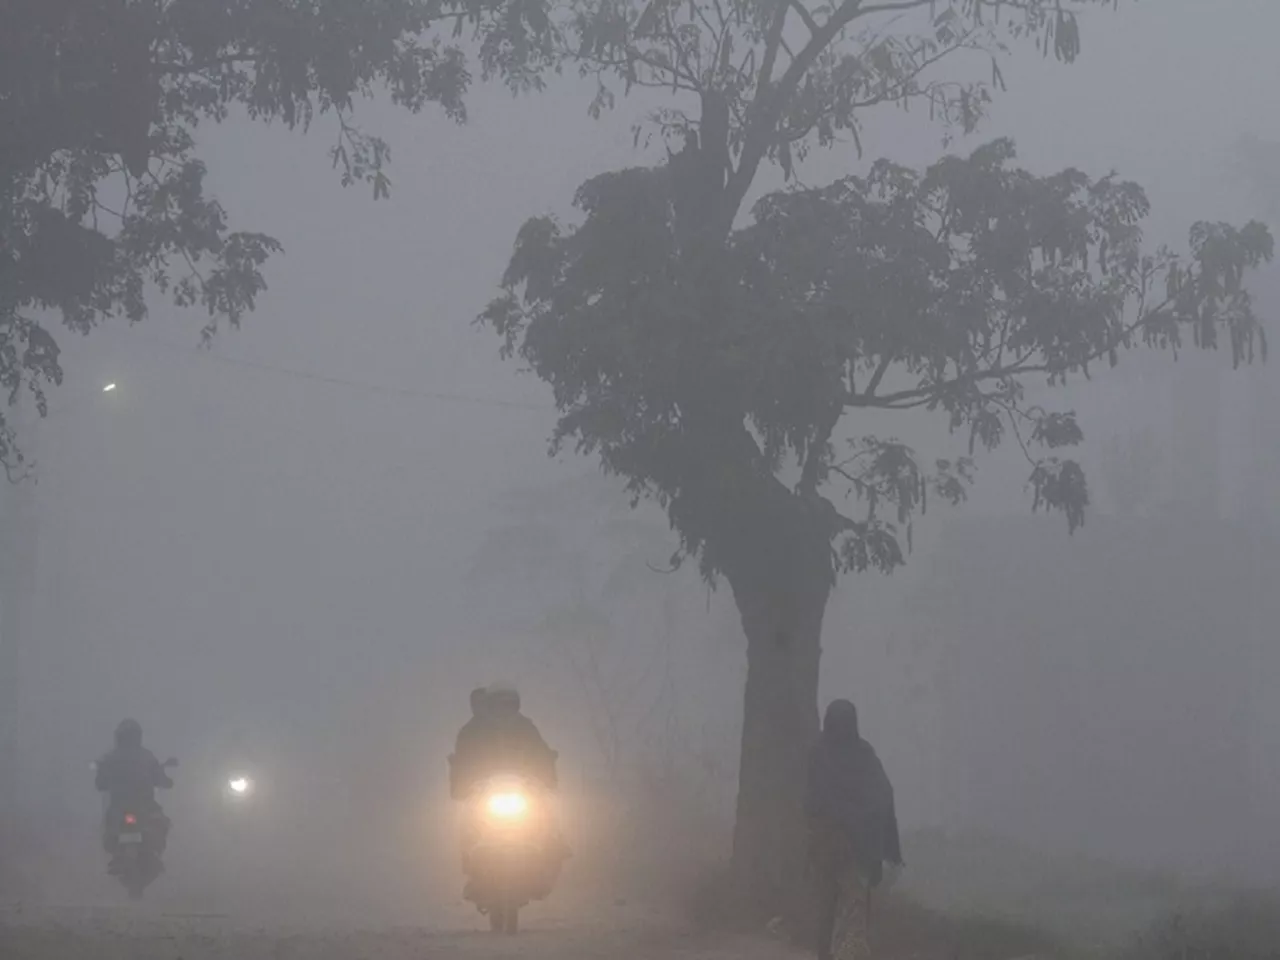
500, 739
461, 778
130, 774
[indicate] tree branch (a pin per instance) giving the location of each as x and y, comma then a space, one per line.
901, 89
772, 42
681, 79
1019, 367
874, 383
898, 7
812, 473
806, 16
1012, 412
680, 55
171, 68
771, 98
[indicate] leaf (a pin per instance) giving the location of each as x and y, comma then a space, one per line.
648, 19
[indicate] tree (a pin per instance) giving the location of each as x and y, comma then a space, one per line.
102, 199
729, 370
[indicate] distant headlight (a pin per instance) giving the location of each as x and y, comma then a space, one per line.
507, 805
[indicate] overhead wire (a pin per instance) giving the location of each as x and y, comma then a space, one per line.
368, 386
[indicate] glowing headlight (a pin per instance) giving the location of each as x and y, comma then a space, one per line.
239, 785
507, 805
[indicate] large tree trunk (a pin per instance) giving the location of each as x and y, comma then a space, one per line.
782, 605
772, 545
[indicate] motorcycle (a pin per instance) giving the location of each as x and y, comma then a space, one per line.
136, 839
512, 851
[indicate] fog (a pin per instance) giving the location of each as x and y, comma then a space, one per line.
308, 543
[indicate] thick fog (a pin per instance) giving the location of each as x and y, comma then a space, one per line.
303, 547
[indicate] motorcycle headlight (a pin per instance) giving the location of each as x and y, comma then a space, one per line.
507, 805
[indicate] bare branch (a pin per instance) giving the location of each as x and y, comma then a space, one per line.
772, 44
874, 383
806, 16
898, 7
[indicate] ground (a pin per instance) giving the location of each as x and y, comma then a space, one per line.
147, 933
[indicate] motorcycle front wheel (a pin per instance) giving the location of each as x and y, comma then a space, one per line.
504, 917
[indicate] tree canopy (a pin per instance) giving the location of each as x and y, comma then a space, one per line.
754, 83
945, 290
102, 190
759, 81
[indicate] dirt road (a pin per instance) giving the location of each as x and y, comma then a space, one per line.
123, 934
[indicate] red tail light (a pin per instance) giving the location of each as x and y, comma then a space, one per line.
130, 820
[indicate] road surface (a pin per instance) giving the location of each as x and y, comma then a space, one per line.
148, 933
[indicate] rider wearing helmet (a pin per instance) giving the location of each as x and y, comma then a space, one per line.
130, 774
499, 739
509, 741
461, 774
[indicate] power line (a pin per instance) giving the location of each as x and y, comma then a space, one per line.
368, 386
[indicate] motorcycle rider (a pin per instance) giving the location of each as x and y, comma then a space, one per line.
508, 742
500, 739
130, 774
461, 779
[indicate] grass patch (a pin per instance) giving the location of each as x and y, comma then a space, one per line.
1097, 907
903, 929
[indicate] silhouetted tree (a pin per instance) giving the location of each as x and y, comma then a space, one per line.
727, 369
102, 198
